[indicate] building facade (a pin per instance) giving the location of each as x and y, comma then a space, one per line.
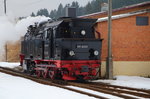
130, 39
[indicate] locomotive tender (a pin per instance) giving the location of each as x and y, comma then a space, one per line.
63, 49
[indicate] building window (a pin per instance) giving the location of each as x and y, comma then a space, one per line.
142, 20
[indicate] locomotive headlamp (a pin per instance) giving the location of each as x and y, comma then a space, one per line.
71, 53
96, 53
83, 32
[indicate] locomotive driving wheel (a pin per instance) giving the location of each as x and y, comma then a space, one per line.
38, 73
52, 74
44, 74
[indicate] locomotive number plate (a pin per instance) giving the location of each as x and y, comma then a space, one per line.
82, 46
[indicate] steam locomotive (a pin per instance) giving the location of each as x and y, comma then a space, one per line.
63, 49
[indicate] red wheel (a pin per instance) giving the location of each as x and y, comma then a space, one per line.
38, 73
51, 74
44, 74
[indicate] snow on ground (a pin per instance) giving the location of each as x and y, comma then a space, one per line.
22, 87
19, 88
15, 87
9, 65
129, 81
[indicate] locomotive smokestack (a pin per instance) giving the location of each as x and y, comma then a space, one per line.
71, 12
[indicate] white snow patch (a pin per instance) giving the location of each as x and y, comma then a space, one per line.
9, 65
19, 88
129, 81
121, 16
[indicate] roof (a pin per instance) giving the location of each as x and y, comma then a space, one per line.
54, 23
124, 15
119, 9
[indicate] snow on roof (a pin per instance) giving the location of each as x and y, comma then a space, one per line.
92, 14
123, 15
118, 9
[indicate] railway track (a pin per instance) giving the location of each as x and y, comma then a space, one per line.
118, 91
122, 92
46, 82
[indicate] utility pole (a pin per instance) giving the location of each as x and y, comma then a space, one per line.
5, 6
6, 42
109, 62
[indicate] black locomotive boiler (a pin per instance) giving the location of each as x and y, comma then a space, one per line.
65, 49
